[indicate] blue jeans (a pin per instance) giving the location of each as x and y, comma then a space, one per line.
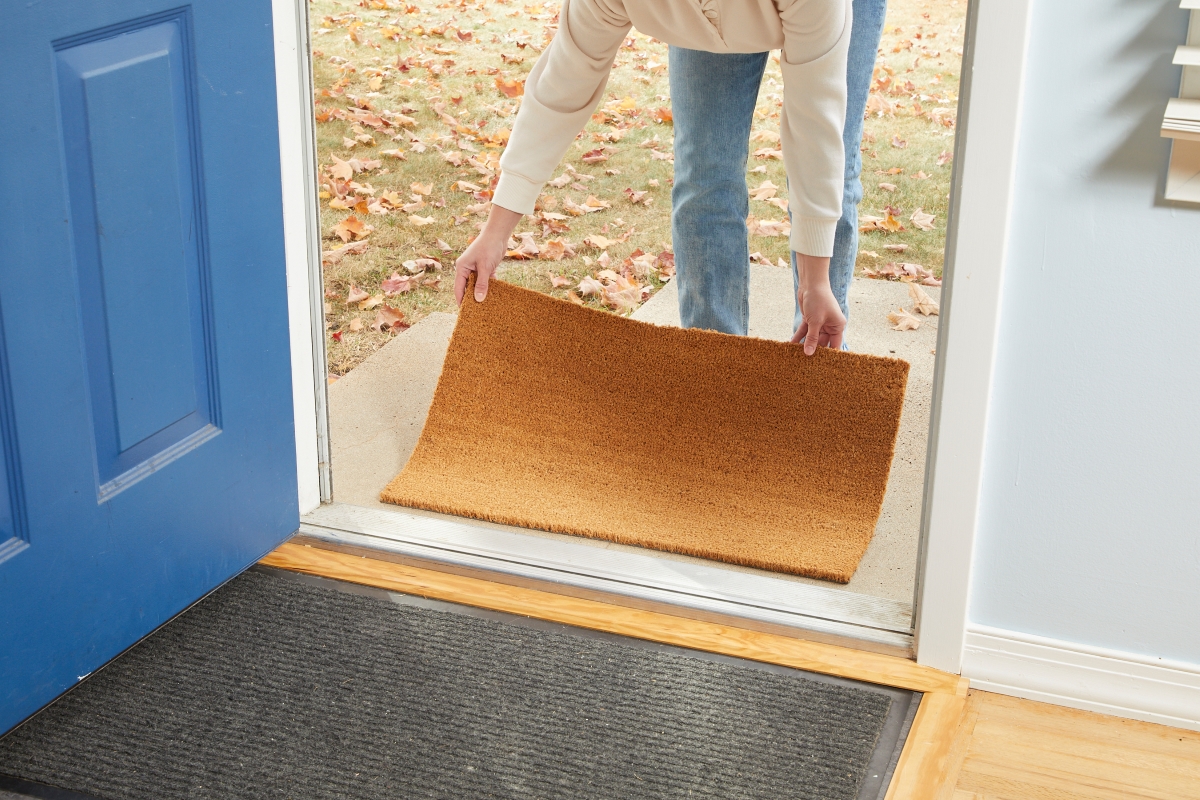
712, 99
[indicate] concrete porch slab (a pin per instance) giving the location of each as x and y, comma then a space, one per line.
378, 409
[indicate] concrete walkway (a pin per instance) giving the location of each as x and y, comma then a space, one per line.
377, 410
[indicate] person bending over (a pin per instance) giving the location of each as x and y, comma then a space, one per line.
718, 53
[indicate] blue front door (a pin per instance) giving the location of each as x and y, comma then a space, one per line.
147, 446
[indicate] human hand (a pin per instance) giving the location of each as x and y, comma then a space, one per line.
824, 323
485, 253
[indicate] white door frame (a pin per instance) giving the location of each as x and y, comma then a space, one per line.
985, 156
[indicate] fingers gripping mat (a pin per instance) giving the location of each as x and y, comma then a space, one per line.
552, 416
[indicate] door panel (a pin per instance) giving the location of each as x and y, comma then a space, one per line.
145, 388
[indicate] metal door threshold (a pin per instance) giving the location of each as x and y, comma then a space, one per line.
590, 568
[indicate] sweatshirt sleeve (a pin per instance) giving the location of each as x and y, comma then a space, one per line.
562, 90
813, 62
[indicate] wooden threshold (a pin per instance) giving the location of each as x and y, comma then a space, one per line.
923, 760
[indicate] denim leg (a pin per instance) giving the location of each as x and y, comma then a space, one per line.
712, 99
864, 44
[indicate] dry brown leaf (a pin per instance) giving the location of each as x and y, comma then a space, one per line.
419, 221
594, 157
421, 188
510, 89
944, 158
664, 114
898, 142
331, 257
341, 169
589, 286
399, 284
903, 321
355, 295
555, 249
765, 136
559, 281
764, 190
922, 220
356, 325
371, 302
896, 248
599, 242
574, 298
888, 187
768, 152
352, 228
388, 318
922, 302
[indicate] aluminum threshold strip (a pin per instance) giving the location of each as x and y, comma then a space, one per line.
594, 566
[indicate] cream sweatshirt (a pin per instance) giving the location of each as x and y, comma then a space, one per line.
567, 84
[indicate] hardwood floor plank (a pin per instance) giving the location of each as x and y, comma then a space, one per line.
923, 763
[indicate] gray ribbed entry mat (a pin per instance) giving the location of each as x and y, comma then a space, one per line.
275, 687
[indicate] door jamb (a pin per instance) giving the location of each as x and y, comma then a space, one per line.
977, 232
302, 242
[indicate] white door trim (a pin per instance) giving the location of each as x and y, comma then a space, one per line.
997, 33
985, 160
302, 247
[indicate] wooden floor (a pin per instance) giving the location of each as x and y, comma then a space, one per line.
963, 746
1011, 749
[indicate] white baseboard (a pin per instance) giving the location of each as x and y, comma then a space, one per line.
1078, 676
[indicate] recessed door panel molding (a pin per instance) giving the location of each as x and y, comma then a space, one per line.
135, 186
14, 530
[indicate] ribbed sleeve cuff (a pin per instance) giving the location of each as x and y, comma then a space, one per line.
810, 236
516, 193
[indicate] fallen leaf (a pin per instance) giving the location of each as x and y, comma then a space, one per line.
464, 186
388, 318
356, 325
664, 115
903, 321
922, 302
574, 298
352, 228
898, 142
341, 169
399, 284
589, 286
896, 248
768, 152
920, 176
599, 242
637, 197
765, 136
331, 257
765, 190
371, 302
555, 249
440, 245
510, 89
594, 157
422, 188
666, 264
558, 281
944, 158
337, 337
419, 221
561, 180
922, 220
888, 187
355, 295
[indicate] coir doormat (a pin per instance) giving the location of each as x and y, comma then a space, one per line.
552, 416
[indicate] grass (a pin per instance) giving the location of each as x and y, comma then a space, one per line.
416, 64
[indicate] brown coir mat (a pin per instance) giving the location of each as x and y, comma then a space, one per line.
561, 418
